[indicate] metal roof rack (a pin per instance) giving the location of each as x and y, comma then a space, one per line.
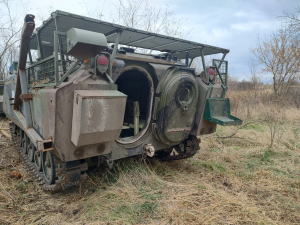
63, 21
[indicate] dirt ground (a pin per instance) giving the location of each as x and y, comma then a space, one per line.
237, 180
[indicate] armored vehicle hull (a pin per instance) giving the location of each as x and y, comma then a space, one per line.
82, 103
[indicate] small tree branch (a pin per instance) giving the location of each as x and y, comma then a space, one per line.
241, 127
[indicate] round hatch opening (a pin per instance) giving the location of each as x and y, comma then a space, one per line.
137, 84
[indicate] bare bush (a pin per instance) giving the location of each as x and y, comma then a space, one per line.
279, 54
140, 14
293, 96
274, 115
292, 19
9, 37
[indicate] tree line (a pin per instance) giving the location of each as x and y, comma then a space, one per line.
277, 54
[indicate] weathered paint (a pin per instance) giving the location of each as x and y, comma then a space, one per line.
177, 106
84, 44
217, 110
107, 107
83, 117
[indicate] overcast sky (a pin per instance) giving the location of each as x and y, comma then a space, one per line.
231, 24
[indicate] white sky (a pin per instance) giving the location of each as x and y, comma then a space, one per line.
231, 24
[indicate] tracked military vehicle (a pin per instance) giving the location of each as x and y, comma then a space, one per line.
84, 95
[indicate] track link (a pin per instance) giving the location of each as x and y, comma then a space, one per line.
169, 157
191, 148
62, 172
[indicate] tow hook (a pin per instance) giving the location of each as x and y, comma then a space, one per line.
149, 150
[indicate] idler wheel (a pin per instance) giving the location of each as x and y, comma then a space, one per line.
31, 149
48, 167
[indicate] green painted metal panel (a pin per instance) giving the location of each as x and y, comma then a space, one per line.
222, 68
177, 106
217, 110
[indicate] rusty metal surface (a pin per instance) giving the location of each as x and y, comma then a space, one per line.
25, 97
47, 145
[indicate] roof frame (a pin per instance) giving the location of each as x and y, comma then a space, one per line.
63, 21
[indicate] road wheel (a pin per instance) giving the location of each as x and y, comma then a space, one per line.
14, 128
48, 167
24, 143
19, 137
31, 149
38, 160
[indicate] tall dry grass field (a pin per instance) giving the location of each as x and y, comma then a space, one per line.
242, 175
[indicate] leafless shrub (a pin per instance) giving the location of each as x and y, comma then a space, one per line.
292, 19
9, 37
279, 55
142, 15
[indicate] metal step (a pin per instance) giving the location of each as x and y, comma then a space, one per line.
217, 110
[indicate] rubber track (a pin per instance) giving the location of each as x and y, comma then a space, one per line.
39, 176
189, 153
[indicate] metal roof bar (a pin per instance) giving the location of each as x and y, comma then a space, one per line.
164, 45
94, 24
140, 40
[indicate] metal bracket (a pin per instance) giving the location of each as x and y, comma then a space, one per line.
45, 145
25, 97
12, 101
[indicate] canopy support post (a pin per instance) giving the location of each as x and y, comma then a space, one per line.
112, 56
203, 60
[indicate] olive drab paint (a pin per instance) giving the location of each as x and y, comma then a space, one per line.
87, 100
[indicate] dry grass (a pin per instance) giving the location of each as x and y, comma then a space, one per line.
239, 180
